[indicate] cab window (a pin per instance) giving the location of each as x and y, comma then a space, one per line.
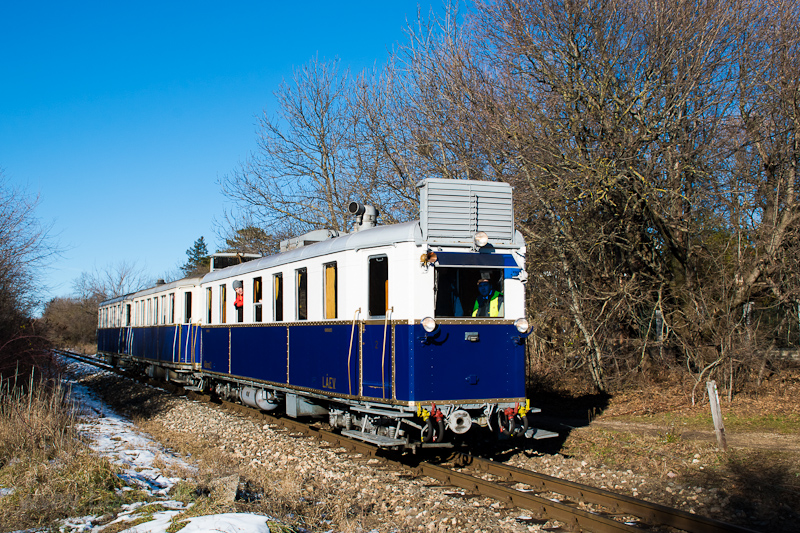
457, 292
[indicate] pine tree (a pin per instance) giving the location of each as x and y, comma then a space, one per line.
251, 239
198, 261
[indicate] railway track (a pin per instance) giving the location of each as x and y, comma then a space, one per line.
579, 507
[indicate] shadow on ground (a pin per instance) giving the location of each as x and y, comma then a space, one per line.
128, 396
560, 413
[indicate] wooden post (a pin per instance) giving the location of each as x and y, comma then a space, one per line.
716, 414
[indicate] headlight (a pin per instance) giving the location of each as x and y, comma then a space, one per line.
481, 239
428, 324
522, 325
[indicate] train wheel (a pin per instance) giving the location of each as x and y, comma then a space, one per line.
433, 431
505, 423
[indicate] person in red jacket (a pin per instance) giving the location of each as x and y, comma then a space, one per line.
238, 303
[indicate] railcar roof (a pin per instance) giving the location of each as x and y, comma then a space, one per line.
369, 238
158, 288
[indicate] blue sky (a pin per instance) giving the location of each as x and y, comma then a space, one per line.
123, 116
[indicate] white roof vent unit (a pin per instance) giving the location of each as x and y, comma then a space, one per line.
311, 237
453, 211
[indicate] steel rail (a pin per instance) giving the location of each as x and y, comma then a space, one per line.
651, 513
571, 516
87, 359
646, 514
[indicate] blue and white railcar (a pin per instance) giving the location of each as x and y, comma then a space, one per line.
155, 329
373, 329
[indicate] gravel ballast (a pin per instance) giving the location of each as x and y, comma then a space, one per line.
367, 494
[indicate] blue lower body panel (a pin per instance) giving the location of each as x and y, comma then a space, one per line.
165, 344
377, 361
461, 362
398, 362
259, 353
318, 358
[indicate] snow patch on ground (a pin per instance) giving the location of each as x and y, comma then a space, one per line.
114, 436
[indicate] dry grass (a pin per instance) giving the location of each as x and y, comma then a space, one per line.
658, 433
653, 454
53, 475
35, 421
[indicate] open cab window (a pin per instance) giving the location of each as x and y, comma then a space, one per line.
457, 292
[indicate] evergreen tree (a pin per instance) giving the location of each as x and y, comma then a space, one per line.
251, 239
199, 261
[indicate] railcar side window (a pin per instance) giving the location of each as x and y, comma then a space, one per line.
456, 292
257, 316
172, 308
163, 309
301, 279
223, 315
238, 299
128, 315
277, 297
330, 290
208, 305
378, 286
155, 311
187, 307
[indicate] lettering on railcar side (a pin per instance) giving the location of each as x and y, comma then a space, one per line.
328, 382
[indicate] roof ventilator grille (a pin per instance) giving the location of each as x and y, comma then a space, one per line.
452, 211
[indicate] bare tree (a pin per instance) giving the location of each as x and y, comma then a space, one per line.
763, 182
416, 117
71, 322
118, 279
25, 249
304, 174
652, 146
606, 117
